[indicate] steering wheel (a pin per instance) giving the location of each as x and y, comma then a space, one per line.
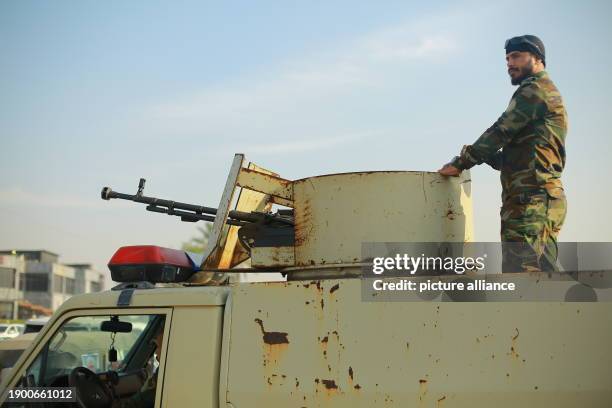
90, 390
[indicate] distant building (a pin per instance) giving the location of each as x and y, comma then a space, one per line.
43, 283
12, 267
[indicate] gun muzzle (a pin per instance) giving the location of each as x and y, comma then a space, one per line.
106, 192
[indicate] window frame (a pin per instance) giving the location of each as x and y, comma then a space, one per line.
40, 344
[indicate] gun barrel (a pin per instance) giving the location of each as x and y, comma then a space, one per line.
191, 212
108, 193
187, 212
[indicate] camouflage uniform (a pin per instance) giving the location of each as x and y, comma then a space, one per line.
145, 397
531, 136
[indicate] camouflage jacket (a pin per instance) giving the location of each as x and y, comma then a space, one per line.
145, 398
527, 142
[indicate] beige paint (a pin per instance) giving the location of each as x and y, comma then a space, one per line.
419, 354
192, 361
266, 182
248, 200
273, 257
413, 354
335, 214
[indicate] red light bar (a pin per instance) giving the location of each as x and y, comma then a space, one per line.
150, 254
150, 263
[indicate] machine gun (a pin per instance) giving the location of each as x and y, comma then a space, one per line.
256, 228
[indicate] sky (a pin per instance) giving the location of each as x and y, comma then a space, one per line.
97, 94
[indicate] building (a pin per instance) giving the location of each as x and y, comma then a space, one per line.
12, 267
43, 283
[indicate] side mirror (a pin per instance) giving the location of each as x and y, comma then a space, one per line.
115, 326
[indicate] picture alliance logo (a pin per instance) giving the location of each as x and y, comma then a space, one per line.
413, 265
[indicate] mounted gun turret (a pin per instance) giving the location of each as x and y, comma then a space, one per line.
325, 219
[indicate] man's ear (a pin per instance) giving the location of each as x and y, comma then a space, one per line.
536, 59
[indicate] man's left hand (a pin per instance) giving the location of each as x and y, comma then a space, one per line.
449, 170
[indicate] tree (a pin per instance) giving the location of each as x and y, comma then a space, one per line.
197, 243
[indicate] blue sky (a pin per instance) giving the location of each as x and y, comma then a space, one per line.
102, 93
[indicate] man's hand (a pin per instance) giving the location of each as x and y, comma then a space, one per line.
449, 170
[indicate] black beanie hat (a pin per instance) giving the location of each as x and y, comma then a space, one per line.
529, 43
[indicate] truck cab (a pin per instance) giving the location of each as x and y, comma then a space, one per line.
187, 320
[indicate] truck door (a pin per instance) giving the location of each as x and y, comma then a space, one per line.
107, 357
193, 359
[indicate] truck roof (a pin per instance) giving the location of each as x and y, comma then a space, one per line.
163, 296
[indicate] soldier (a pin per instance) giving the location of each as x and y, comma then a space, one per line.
527, 144
145, 397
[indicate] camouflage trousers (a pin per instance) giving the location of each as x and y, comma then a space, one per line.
530, 224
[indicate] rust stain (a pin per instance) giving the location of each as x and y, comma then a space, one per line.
334, 288
330, 384
303, 219
513, 353
275, 379
275, 343
272, 338
329, 387
422, 390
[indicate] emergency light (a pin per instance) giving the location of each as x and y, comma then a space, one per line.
152, 264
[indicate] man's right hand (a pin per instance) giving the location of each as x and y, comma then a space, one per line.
449, 170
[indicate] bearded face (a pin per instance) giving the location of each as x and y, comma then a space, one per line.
520, 66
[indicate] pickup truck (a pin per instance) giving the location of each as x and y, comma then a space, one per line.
174, 333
